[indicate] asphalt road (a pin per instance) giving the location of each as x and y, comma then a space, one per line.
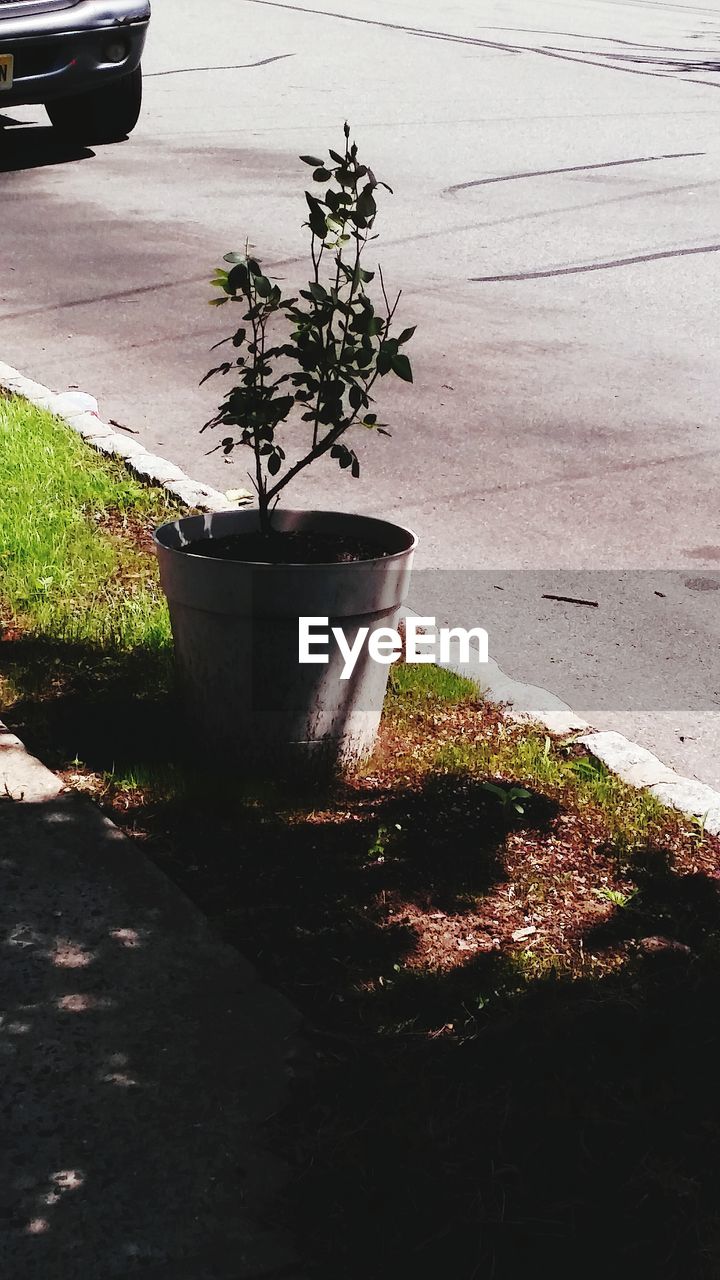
555, 232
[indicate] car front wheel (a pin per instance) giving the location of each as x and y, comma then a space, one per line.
108, 114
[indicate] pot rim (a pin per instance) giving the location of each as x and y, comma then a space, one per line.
290, 564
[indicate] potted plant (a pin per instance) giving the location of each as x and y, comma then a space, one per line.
239, 581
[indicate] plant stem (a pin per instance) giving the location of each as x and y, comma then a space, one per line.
259, 339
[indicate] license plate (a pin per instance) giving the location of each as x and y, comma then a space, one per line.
6, 71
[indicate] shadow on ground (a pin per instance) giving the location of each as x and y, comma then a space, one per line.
491, 1120
35, 147
73, 702
138, 1056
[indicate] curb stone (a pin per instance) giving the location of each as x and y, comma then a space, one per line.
22, 777
631, 762
104, 439
639, 767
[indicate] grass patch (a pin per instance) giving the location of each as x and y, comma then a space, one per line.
507, 958
415, 688
71, 568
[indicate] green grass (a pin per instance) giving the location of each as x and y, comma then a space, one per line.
413, 688
529, 756
63, 576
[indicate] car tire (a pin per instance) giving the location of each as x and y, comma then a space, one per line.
99, 115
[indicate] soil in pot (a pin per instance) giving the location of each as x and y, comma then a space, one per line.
301, 546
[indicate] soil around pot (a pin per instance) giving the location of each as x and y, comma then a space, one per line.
301, 546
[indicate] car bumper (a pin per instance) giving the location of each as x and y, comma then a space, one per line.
64, 52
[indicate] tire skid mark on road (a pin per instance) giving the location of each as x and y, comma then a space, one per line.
596, 266
589, 60
117, 296
534, 214
584, 59
236, 66
573, 168
565, 478
390, 26
664, 64
578, 35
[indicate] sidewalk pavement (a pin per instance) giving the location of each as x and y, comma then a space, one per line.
138, 1057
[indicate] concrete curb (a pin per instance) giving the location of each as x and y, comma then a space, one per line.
641, 768
22, 777
102, 437
631, 762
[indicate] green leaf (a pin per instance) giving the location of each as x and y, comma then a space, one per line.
234, 257
273, 464
406, 335
322, 174
384, 361
355, 470
401, 366
366, 206
282, 406
312, 161
218, 302
318, 225
238, 278
342, 454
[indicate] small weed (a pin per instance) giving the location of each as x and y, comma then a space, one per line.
508, 797
615, 896
383, 839
699, 823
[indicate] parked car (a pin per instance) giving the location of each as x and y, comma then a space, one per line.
79, 58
